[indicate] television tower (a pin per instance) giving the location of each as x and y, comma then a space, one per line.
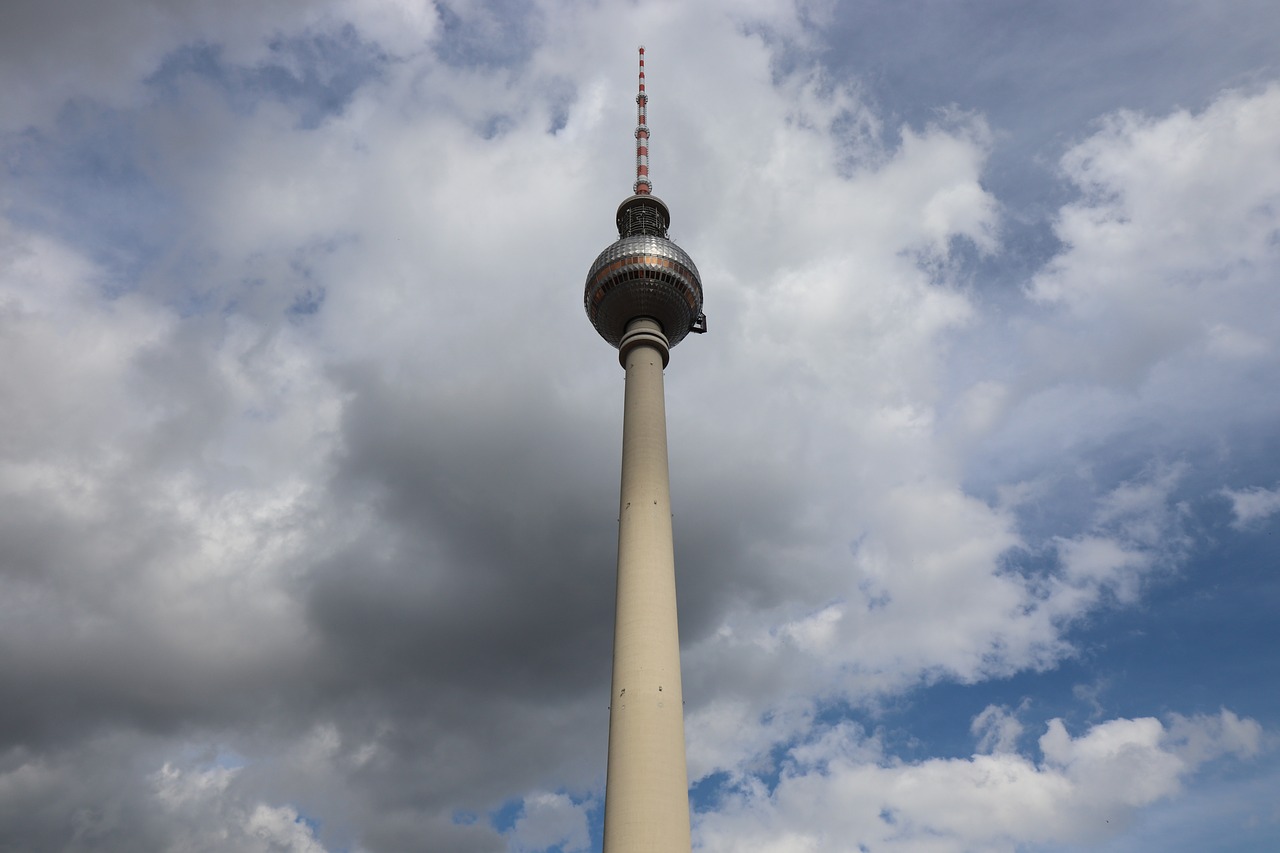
643, 295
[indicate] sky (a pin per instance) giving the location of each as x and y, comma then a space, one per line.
309, 456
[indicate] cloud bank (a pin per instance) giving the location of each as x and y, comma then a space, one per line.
307, 455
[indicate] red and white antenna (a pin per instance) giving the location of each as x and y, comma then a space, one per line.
642, 186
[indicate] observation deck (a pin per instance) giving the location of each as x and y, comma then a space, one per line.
644, 274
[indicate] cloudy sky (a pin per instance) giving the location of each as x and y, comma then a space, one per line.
309, 457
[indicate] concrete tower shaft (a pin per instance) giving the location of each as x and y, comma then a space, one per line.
647, 790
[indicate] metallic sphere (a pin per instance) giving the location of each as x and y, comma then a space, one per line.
643, 275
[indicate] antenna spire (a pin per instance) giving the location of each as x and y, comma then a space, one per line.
642, 185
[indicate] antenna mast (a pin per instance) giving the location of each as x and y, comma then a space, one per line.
642, 185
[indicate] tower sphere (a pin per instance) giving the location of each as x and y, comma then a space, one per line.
643, 274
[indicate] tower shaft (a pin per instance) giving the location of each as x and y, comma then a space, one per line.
646, 800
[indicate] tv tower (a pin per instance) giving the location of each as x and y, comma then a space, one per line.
643, 295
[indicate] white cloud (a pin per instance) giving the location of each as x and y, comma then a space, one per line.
923, 603
402, 27
193, 496
1085, 788
997, 729
1177, 211
1252, 505
199, 799
1168, 251
932, 593
1136, 528
549, 821
1157, 316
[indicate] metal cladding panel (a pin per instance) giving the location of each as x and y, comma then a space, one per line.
643, 276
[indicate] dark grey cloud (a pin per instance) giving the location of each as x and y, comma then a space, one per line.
496, 524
